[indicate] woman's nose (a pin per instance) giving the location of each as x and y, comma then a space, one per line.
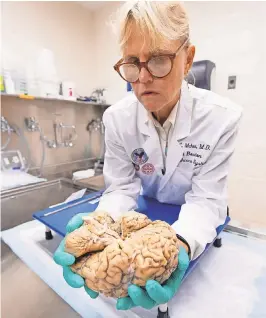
145, 76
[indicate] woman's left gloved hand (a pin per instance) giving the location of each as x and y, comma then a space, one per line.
155, 294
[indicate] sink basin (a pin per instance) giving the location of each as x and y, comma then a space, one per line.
36, 299
19, 204
95, 183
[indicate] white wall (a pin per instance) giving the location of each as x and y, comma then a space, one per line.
233, 35
108, 53
66, 28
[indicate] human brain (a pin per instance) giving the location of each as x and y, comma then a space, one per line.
111, 255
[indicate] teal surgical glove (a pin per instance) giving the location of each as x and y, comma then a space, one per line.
156, 294
75, 222
66, 260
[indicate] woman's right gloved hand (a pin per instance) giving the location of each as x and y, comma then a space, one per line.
66, 260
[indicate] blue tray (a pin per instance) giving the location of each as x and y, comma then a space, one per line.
152, 208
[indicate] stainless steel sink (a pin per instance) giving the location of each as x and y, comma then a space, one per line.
66, 170
24, 294
19, 204
93, 181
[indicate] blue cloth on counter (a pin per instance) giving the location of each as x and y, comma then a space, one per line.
152, 208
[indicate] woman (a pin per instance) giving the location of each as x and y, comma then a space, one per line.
170, 140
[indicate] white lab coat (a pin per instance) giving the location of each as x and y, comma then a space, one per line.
196, 166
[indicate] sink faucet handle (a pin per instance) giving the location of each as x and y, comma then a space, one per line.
68, 142
31, 124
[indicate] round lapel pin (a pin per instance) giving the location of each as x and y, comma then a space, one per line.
139, 156
148, 168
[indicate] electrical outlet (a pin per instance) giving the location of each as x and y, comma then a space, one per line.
231, 82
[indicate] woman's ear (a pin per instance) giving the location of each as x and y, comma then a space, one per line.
190, 57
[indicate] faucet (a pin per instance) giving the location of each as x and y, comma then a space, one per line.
5, 127
56, 127
31, 124
60, 140
99, 95
68, 142
59, 128
95, 125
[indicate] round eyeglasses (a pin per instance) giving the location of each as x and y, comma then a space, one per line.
158, 66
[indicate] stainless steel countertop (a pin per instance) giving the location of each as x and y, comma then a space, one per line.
96, 182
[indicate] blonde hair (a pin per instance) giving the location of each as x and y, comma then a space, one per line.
157, 21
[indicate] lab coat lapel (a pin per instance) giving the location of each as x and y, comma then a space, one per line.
181, 130
151, 144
